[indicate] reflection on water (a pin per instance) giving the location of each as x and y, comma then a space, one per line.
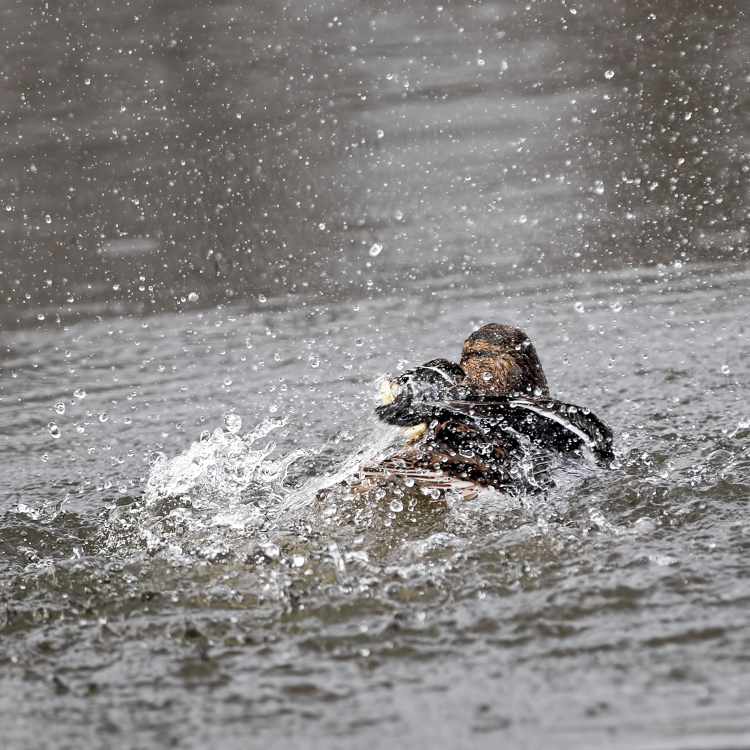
158, 149
220, 223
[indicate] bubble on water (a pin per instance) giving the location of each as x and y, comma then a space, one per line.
313, 360
725, 369
233, 422
103, 417
54, 430
375, 249
79, 393
609, 74
193, 297
359, 341
578, 307
60, 407
616, 306
396, 505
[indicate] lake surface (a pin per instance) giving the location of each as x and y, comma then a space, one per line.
221, 224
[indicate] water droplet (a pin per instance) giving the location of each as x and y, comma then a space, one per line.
313, 360
609, 74
409, 482
725, 369
193, 297
616, 306
359, 341
103, 417
396, 505
261, 297
486, 376
375, 249
40, 316
599, 187
48, 219
116, 287
54, 430
522, 219
60, 407
579, 307
298, 561
227, 382
45, 457
233, 422
380, 134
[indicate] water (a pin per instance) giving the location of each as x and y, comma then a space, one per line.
333, 192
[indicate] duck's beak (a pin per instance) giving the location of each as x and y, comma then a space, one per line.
388, 393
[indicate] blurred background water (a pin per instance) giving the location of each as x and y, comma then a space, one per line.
212, 209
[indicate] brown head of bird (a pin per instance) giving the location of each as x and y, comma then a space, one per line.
499, 359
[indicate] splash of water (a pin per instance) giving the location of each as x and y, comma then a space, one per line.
221, 470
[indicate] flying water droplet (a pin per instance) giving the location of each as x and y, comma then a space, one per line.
227, 382
103, 417
233, 422
486, 376
359, 341
579, 307
54, 430
313, 360
193, 297
79, 393
616, 306
376, 249
60, 407
725, 369
609, 74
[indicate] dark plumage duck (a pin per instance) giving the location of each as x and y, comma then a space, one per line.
475, 424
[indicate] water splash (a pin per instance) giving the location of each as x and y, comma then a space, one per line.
221, 469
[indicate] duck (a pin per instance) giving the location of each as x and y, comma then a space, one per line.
486, 421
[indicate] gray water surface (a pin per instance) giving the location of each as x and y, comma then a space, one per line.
254, 211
